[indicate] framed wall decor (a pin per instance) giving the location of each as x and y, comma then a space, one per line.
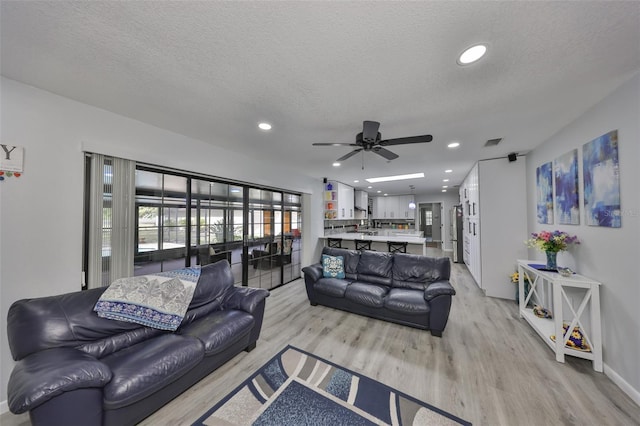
601, 170
544, 193
567, 201
11, 161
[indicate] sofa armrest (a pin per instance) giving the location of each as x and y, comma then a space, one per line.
245, 298
438, 288
44, 375
313, 271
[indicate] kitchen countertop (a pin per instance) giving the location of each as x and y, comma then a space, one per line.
399, 237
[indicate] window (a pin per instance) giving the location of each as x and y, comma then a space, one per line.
428, 217
175, 215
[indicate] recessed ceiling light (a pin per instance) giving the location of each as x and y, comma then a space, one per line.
397, 177
336, 164
453, 145
445, 180
264, 126
235, 190
386, 195
444, 190
378, 191
356, 181
369, 187
445, 186
448, 171
472, 54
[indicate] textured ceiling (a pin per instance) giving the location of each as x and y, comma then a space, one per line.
316, 70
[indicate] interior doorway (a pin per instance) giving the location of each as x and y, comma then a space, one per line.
431, 221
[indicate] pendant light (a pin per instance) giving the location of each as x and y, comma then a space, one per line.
412, 203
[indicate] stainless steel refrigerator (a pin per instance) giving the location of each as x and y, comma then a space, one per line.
456, 233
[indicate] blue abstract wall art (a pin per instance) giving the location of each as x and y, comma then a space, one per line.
567, 200
545, 193
601, 171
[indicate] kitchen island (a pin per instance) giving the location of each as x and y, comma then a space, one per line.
416, 243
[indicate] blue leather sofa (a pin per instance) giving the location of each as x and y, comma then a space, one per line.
402, 288
75, 368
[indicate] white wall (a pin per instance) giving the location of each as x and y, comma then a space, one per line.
41, 211
503, 223
446, 200
609, 255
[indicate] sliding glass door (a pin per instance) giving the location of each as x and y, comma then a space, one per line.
161, 222
183, 220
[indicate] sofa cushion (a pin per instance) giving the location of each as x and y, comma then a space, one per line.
143, 369
215, 280
220, 330
416, 272
331, 286
103, 347
406, 301
375, 267
366, 294
332, 266
351, 258
65, 320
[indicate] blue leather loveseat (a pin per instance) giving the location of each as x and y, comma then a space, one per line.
76, 368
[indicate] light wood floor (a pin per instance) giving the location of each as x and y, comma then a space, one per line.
489, 367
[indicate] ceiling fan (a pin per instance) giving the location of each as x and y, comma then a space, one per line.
370, 139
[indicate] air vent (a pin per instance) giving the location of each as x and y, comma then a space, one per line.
493, 142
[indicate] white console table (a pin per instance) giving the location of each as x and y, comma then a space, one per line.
550, 288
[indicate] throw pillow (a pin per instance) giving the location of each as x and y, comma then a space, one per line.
212, 251
332, 266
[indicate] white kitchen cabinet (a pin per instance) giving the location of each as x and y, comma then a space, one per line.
404, 212
379, 208
361, 200
493, 196
338, 201
396, 207
346, 209
361, 204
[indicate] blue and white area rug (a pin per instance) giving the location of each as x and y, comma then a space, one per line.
298, 388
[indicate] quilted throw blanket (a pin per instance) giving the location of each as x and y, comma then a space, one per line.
159, 300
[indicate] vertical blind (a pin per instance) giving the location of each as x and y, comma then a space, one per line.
111, 220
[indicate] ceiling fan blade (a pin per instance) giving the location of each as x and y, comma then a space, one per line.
385, 153
410, 139
370, 130
351, 154
333, 144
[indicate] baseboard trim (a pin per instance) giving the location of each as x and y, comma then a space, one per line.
634, 394
4, 407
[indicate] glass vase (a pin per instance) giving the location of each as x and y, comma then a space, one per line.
551, 260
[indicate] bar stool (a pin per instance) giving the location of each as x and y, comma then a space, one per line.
396, 247
334, 242
363, 244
